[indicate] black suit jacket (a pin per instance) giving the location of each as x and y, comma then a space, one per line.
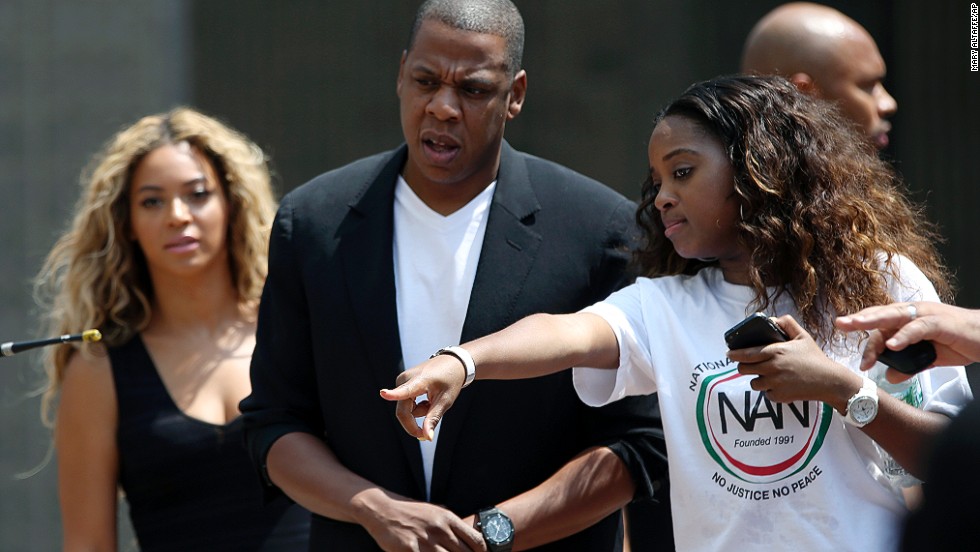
328, 340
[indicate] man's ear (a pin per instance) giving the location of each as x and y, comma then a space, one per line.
804, 83
518, 90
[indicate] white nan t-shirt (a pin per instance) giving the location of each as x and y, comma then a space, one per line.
746, 473
435, 266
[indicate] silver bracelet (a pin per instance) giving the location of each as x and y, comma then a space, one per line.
464, 356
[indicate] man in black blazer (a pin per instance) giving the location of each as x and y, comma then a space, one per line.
343, 292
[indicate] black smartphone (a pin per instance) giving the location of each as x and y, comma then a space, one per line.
757, 329
910, 360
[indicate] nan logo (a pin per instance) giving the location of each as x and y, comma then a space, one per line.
752, 438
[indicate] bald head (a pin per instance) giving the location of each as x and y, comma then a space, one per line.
826, 54
798, 37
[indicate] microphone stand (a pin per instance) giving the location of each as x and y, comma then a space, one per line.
11, 348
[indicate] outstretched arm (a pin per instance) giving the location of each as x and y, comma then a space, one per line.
954, 331
537, 345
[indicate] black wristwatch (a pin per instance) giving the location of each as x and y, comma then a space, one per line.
497, 529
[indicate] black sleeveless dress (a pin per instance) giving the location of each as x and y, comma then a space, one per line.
190, 484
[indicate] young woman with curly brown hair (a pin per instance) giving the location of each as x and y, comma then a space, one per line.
759, 199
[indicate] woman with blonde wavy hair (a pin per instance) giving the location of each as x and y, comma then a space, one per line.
759, 198
166, 256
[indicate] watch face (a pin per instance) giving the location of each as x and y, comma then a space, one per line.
864, 409
498, 529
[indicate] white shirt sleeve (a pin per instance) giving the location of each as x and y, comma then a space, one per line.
634, 376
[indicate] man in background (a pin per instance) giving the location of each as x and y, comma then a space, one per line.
828, 55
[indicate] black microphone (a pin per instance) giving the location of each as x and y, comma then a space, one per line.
11, 348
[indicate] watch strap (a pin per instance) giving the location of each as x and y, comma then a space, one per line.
464, 356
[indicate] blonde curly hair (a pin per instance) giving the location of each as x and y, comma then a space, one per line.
96, 277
